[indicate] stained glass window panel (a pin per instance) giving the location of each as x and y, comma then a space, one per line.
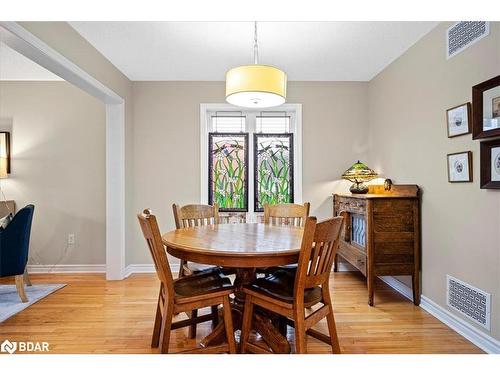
228, 170
273, 163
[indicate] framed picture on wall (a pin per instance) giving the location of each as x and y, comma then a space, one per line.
486, 109
459, 120
490, 164
4, 154
460, 167
495, 103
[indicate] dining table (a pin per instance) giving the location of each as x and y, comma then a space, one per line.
242, 248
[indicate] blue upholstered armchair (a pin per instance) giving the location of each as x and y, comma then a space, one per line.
14, 247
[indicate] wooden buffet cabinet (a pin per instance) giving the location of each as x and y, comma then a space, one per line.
381, 233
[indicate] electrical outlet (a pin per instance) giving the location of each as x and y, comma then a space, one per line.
71, 239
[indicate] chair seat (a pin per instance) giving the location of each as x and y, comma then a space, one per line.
280, 285
270, 270
204, 282
199, 267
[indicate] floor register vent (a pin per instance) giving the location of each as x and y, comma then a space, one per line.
469, 301
464, 34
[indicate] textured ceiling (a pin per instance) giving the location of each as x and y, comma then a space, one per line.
320, 51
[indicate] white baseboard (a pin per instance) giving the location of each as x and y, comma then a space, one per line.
129, 270
174, 267
401, 287
463, 328
67, 268
346, 267
147, 268
94, 268
467, 330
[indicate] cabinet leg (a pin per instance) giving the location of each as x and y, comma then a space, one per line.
416, 288
370, 280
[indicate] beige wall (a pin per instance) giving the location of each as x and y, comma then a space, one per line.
66, 40
167, 143
408, 140
58, 164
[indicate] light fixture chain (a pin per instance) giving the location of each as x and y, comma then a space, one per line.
255, 45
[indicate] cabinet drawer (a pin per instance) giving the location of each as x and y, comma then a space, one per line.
350, 205
353, 255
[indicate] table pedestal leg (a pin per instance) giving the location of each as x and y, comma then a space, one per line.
262, 322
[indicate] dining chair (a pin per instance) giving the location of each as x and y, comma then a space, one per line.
185, 294
289, 295
286, 214
192, 215
14, 249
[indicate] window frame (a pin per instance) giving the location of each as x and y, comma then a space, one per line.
292, 109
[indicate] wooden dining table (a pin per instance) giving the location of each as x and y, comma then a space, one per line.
243, 247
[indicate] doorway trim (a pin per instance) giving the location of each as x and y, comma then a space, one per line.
24, 42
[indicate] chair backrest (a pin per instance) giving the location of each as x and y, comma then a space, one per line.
319, 246
15, 242
194, 215
152, 234
286, 214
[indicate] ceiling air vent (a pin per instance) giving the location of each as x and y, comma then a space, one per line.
468, 300
464, 34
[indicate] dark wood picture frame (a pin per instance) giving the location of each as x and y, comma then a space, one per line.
256, 136
469, 163
7, 146
210, 166
485, 169
477, 109
469, 119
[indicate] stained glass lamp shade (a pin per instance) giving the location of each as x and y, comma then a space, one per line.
358, 174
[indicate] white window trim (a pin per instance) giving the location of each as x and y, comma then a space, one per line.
297, 144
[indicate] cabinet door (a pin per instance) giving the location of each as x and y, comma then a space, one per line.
393, 231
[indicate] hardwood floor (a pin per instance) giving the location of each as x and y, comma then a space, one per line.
92, 315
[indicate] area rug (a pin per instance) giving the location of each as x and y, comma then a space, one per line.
10, 303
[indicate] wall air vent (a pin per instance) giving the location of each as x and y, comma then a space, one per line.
468, 300
464, 34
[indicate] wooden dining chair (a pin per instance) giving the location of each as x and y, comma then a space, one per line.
186, 294
286, 214
193, 215
290, 295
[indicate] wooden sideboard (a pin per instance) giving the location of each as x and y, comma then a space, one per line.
381, 233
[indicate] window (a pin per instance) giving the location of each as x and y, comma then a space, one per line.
228, 171
250, 158
273, 169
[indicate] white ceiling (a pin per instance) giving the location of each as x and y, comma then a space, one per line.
16, 67
320, 51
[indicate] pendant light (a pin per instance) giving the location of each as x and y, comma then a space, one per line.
256, 86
